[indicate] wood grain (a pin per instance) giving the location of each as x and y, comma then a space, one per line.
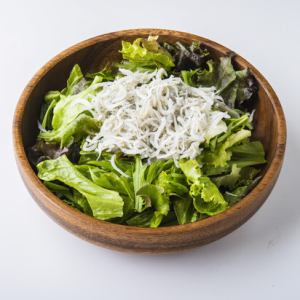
92, 54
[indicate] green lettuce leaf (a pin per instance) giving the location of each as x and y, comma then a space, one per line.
105, 75
69, 196
74, 78
81, 203
71, 106
105, 204
234, 125
52, 95
170, 185
138, 182
156, 186
207, 198
228, 180
247, 180
240, 90
210, 170
120, 184
60, 190
235, 195
159, 201
234, 86
226, 73
67, 111
145, 53
75, 83
74, 131
47, 117
156, 219
247, 176
200, 77
191, 170
248, 154
222, 154
142, 219
184, 210
155, 168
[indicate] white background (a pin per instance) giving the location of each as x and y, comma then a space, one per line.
40, 260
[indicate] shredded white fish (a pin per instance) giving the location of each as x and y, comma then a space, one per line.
40, 127
251, 117
146, 114
113, 164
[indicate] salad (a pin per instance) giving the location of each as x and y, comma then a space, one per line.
162, 137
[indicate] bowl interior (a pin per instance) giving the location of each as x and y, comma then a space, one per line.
95, 56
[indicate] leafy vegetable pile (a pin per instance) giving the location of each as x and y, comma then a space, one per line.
133, 190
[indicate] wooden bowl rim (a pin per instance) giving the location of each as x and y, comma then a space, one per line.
95, 225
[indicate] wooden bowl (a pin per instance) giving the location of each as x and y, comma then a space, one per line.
91, 55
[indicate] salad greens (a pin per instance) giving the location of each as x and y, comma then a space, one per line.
129, 189
105, 204
145, 54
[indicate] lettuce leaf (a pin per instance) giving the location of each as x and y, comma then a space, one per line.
144, 175
145, 53
105, 75
120, 184
226, 73
187, 57
61, 191
247, 180
235, 125
154, 185
76, 84
248, 154
222, 154
71, 106
74, 131
228, 180
241, 90
238, 193
207, 198
72, 198
108, 178
81, 203
159, 201
53, 97
191, 170
209, 170
67, 111
47, 117
105, 204
235, 195
234, 86
184, 210
171, 186
200, 77
247, 176
155, 168
138, 182
142, 219
74, 78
